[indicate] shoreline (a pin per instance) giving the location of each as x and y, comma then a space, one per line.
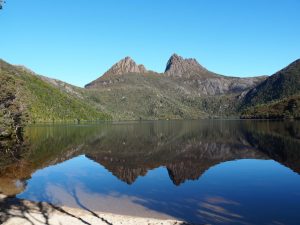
15, 211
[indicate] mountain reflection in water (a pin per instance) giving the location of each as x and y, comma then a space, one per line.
186, 149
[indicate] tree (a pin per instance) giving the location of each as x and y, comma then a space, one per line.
1, 4
292, 105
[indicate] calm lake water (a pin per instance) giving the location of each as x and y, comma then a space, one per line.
218, 172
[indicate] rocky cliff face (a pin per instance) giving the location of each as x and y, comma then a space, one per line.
187, 73
220, 85
190, 72
177, 66
124, 66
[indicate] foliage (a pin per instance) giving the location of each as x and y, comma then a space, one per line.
1, 4
282, 84
148, 96
278, 97
287, 108
40, 101
10, 110
153, 96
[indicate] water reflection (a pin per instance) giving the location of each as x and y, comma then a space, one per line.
180, 150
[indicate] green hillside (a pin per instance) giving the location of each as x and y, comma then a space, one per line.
287, 108
26, 97
278, 97
153, 96
282, 84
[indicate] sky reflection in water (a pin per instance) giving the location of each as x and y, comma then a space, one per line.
228, 172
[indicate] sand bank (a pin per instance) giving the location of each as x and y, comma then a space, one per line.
14, 211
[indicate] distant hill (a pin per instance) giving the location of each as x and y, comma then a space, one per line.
284, 83
27, 97
276, 97
286, 108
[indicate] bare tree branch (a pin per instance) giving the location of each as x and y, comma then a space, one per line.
1, 4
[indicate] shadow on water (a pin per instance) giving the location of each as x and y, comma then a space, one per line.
186, 149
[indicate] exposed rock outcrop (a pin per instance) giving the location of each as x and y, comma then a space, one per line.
124, 66
177, 66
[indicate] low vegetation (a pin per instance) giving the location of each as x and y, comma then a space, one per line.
283, 84
151, 96
26, 98
287, 108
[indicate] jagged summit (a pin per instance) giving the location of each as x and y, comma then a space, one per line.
126, 65
178, 66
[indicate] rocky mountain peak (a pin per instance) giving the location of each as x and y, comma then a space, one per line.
178, 66
175, 57
126, 65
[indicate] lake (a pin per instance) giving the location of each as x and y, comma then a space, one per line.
200, 171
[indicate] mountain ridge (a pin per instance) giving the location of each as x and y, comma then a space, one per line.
128, 91
124, 66
277, 97
176, 66
283, 83
28, 98
179, 66
186, 90
184, 70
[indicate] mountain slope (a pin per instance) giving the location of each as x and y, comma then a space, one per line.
186, 90
278, 97
180, 67
128, 91
286, 108
284, 83
33, 99
143, 96
124, 66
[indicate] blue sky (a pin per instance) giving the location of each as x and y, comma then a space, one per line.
76, 41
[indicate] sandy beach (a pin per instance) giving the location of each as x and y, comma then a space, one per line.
21, 212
